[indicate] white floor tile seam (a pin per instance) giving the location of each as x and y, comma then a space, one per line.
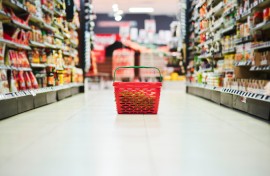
44, 135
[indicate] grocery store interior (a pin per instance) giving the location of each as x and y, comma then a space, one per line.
138, 87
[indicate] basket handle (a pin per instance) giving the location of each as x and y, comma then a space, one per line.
137, 67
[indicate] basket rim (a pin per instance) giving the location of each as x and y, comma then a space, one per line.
137, 83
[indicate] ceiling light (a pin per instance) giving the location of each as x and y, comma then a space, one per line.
115, 7
118, 18
141, 10
120, 12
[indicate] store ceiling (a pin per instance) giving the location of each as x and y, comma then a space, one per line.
168, 7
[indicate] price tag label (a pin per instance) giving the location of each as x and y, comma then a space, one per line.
33, 92
259, 96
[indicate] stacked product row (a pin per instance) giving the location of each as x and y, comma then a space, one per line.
38, 47
229, 44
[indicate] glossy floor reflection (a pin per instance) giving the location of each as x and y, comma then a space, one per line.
83, 136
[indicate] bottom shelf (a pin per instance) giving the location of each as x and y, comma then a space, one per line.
16, 103
244, 103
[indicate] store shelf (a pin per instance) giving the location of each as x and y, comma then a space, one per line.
15, 4
243, 17
228, 30
217, 25
208, 42
218, 10
59, 2
260, 4
48, 27
36, 20
59, 36
227, 70
67, 36
34, 65
20, 68
251, 95
217, 39
204, 56
36, 44
50, 65
260, 46
73, 43
16, 24
229, 11
191, 48
243, 63
202, 2
260, 68
204, 30
72, 26
68, 66
58, 14
256, 96
14, 45
18, 102
262, 26
51, 46
243, 40
59, 26
217, 56
229, 51
5, 67
3, 15
48, 45
47, 10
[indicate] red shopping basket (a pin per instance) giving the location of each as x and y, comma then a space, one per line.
137, 97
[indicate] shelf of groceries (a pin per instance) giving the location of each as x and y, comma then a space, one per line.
38, 47
230, 50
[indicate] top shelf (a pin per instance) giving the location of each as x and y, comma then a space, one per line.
47, 10
260, 4
200, 3
16, 5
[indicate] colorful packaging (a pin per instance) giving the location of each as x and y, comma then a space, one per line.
4, 86
33, 80
27, 80
21, 81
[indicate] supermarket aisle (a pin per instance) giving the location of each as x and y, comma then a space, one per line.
83, 136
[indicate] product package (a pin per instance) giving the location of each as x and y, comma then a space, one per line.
4, 86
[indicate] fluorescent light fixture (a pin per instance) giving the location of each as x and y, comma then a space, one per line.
120, 12
141, 10
118, 18
115, 7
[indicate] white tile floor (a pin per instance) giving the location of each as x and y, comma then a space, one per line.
83, 136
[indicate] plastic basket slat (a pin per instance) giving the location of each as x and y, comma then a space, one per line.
137, 97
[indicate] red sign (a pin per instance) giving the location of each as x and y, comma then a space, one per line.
99, 55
